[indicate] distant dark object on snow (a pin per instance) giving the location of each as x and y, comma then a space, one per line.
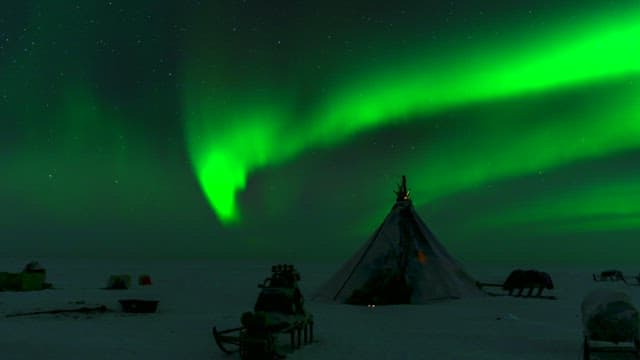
610, 275
119, 282
33, 266
139, 306
527, 279
144, 280
524, 279
82, 310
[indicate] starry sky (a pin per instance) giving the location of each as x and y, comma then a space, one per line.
279, 129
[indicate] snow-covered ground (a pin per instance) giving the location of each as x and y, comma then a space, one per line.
195, 295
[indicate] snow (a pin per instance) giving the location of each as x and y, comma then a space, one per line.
196, 295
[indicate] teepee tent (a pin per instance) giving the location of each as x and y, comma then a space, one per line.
402, 263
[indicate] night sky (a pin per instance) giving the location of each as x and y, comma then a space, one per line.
279, 129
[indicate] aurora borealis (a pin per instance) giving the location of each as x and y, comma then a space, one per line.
249, 129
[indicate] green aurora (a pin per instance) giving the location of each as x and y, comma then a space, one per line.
255, 135
587, 208
126, 124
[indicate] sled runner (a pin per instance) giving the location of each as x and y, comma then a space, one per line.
520, 280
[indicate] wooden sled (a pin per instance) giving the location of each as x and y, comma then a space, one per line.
278, 311
300, 332
228, 337
520, 280
540, 297
601, 350
239, 340
528, 295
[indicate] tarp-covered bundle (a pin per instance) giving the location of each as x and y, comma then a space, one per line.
32, 278
609, 315
402, 263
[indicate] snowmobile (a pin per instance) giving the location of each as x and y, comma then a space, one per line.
610, 326
279, 310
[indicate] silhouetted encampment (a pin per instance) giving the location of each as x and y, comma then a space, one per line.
402, 263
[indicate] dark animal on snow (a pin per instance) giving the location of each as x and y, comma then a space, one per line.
527, 279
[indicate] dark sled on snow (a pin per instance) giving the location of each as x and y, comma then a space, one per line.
248, 344
610, 275
226, 338
278, 311
520, 280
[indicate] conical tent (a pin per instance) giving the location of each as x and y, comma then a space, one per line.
402, 263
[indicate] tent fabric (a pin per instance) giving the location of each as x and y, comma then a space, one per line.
403, 262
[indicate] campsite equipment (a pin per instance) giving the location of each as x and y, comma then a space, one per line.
31, 278
83, 310
610, 323
118, 282
610, 275
519, 280
33, 266
279, 310
144, 280
402, 263
138, 306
